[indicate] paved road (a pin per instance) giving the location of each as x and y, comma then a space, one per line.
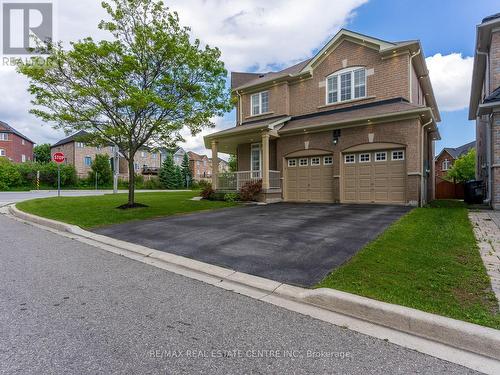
69, 308
292, 243
7, 197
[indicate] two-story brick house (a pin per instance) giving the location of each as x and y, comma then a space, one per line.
14, 145
356, 123
81, 155
446, 158
200, 165
485, 106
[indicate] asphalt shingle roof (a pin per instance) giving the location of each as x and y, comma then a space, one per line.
461, 150
9, 129
71, 138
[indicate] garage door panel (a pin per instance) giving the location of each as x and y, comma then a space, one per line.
314, 183
375, 181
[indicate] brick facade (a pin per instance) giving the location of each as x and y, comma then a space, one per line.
15, 148
440, 172
391, 114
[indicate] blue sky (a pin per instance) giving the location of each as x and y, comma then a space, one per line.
443, 27
262, 35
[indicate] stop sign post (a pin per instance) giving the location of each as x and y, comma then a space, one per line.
58, 157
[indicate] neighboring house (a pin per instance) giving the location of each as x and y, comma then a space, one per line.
223, 165
178, 156
200, 166
81, 155
485, 106
445, 159
354, 124
14, 145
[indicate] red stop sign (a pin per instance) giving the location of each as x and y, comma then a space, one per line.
58, 157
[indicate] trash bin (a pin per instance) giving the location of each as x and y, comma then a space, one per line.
474, 192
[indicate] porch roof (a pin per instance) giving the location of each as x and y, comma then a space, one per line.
230, 138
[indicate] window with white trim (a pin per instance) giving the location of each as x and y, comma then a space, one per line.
23, 142
349, 159
23, 158
398, 155
259, 103
87, 161
4, 136
327, 160
303, 162
381, 156
315, 161
446, 165
256, 160
364, 158
292, 162
2, 152
350, 83
80, 145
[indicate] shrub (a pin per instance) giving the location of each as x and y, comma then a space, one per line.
202, 184
9, 175
250, 190
208, 193
231, 197
102, 166
153, 184
48, 174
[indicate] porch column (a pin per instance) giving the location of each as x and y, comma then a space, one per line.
215, 165
265, 161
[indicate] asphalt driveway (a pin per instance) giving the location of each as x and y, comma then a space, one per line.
291, 243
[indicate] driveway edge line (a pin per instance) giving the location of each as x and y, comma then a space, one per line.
457, 334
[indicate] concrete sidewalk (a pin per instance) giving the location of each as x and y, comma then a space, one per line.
487, 231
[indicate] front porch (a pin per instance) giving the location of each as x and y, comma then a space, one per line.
260, 157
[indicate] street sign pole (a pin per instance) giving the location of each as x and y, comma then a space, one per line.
59, 158
116, 166
58, 179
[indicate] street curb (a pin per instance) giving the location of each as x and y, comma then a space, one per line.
455, 333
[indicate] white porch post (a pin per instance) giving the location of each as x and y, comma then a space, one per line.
215, 165
265, 161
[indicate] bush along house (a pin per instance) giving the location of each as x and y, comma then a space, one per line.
356, 123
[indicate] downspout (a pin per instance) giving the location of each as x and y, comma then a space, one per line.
240, 115
488, 158
488, 129
422, 185
410, 75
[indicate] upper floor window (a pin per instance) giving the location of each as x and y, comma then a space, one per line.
23, 142
260, 103
346, 84
143, 154
446, 165
4, 136
80, 145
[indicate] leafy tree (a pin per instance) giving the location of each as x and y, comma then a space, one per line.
41, 153
102, 166
187, 176
138, 88
167, 173
179, 182
233, 163
464, 168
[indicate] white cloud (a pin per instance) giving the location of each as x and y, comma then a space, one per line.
451, 77
250, 34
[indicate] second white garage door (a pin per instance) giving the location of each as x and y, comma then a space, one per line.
374, 177
309, 179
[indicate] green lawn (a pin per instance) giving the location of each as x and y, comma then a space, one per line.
427, 260
90, 212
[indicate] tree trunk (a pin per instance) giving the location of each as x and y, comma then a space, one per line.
131, 181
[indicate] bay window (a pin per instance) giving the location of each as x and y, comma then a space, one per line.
350, 83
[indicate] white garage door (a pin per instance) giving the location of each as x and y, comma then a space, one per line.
374, 177
309, 179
